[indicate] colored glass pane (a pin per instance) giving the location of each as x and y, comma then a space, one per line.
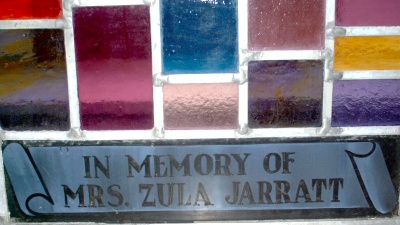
33, 80
367, 53
113, 55
201, 106
367, 13
199, 36
30, 9
286, 24
285, 93
366, 103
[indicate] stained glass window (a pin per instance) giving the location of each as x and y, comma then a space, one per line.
167, 96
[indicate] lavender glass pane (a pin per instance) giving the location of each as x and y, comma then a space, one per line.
199, 36
285, 93
366, 103
33, 80
113, 53
286, 24
201, 106
368, 12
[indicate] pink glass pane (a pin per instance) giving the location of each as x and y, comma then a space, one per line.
286, 24
201, 106
367, 12
113, 51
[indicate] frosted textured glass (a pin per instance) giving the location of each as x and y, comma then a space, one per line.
286, 24
33, 80
113, 52
285, 93
366, 103
200, 106
367, 12
199, 36
367, 53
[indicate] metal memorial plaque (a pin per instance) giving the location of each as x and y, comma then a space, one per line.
129, 179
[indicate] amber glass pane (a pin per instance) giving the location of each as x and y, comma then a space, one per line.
200, 106
113, 51
33, 80
286, 24
30, 9
285, 93
367, 53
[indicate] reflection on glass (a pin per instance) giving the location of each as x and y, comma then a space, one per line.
286, 25
33, 80
285, 93
30, 9
199, 36
366, 103
201, 106
113, 53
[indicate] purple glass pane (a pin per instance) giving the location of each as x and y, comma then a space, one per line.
113, 54
201, 106
367, 13
366, 103
33, 80
285, 93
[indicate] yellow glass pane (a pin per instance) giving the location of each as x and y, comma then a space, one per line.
367, 53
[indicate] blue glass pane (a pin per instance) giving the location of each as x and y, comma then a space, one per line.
199, 36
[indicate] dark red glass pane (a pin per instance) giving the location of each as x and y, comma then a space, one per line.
113, 54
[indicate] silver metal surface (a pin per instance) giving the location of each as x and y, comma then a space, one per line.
32, 24
370, 75
358, 221
201, 78
158, 101
287, 55
38, 175
372, 31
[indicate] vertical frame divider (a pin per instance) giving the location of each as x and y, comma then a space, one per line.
155, 23
243, 65
71, 67
328, 68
